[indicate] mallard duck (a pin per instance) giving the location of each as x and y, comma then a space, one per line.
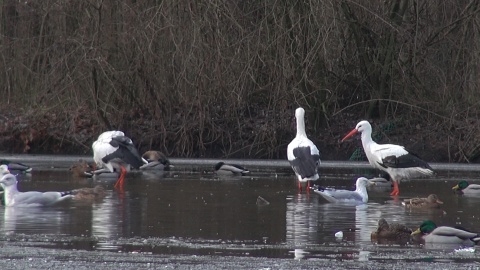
392, 232
447, 235
302, 154
82, 168
16, 166
156, 161
393, 159
13, 197
468, 189
359, 195
429, 202
114, 151
230, 169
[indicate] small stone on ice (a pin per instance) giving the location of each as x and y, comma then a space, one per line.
339, 234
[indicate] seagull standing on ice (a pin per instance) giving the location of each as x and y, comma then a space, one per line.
393, 159
114, 151
302, 154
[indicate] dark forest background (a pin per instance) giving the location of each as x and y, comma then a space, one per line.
220, 78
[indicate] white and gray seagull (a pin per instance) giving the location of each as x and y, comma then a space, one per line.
13, 197
359, 195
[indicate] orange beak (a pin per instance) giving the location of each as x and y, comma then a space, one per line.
350, 134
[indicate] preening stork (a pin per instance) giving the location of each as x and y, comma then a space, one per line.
114, 151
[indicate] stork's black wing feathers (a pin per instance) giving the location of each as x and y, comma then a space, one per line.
305, 164
404, 161
126, 151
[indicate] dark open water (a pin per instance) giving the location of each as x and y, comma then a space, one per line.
192, 211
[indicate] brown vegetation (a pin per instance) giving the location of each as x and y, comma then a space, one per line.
222, 78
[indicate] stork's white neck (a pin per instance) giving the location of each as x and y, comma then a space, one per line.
367, 140
301, 127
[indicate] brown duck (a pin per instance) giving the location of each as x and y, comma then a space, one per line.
89, 194
390, 232
429, 202
82, 168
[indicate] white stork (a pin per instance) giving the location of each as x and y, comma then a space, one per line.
114, 151
393, 159
302, 154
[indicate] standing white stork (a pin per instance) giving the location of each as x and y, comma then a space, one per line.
115, 151
393, 159
302, 154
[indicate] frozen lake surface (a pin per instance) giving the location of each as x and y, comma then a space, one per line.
192, 218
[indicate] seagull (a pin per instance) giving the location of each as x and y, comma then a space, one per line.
4, 170
156, 161
393, 159
13, 197
360, 194
230, 169
114, 151
302, 154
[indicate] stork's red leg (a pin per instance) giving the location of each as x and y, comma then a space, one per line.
121, 178
299, 186
395, 191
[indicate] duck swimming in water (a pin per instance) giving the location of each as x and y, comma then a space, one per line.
432, 201
430, 233
223, 168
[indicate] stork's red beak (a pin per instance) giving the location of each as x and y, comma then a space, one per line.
350, 134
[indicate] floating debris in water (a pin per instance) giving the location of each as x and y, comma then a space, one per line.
261, 201
339, 234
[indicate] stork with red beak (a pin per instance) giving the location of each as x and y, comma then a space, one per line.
393, 159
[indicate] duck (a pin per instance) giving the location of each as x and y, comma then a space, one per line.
156, 161
432, 201
392, 232
16, 167
393, 159
113, 152
360, 194
89, 194
463, 187
13, 197
223, 168
302, 154
430, 233
82, 168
